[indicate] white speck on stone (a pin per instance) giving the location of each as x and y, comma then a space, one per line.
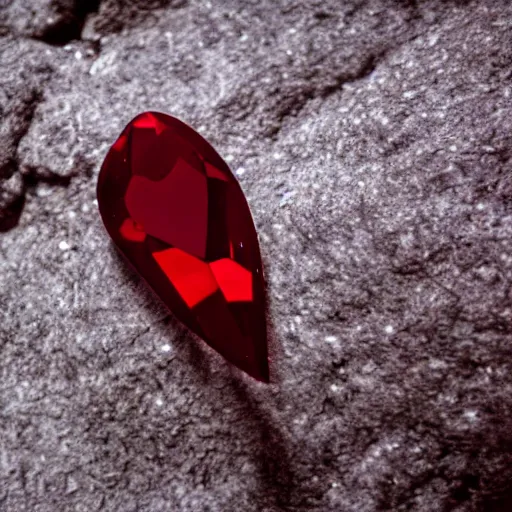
470, 415
71, 486
334, 485
277, 156
240, 171
85, 208
103, 64
453, 148
389, 329
166, 348
368, 368
292, 31
95, 202
391, 446
361, 184
377, 451
229, 158
64, 246
286, 198
244, 37
78, 55
480, 206
334, 388
159, 402
330, 339
43, 190
437, 364
432, 40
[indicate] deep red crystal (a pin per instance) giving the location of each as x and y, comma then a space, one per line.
175, 210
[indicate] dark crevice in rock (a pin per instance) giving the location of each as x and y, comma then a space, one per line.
117, 15
14, 184
12, 187
32, 178
24, 113
463, 489
12, 202
295, 101
367, 67
318, 87
500, 501
68, 27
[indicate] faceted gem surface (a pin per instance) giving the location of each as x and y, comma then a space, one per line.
176, 212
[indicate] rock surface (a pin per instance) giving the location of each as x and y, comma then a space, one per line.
373, 141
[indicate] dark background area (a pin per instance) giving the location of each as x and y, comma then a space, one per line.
373, 142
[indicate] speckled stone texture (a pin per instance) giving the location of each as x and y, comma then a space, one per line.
373, 141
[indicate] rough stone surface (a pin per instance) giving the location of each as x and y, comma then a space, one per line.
373, 141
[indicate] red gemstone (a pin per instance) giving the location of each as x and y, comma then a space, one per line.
175, 210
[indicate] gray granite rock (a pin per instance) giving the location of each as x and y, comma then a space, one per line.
373, 142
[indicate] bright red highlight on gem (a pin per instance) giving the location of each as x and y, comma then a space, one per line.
234, 280
120, 143
212, 172
175, 211
148, 120
191, 276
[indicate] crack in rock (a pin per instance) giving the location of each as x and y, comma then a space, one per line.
12, 183
69, 22
55, 22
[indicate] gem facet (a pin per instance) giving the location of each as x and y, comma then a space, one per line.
175, 211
